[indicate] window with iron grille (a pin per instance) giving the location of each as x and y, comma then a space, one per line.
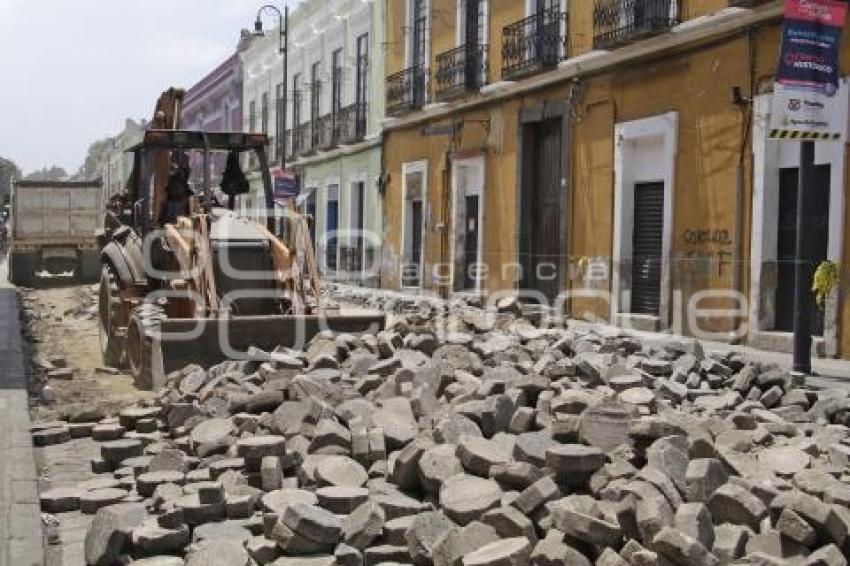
420, 51
362, 79
541, 6
280, 108
361, 84
419, 39
315, 102
473, 22
265, 111
336, 81
296, 100
315, 91
252, 127
296, 129
463, 68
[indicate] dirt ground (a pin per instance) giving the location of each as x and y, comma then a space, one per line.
61, 326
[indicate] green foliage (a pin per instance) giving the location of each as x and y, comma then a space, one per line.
52, 173
8, 171
97, 154
825, 280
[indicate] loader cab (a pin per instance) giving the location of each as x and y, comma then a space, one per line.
162, 160
167, 191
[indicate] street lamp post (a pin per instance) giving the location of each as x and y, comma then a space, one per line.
283, 19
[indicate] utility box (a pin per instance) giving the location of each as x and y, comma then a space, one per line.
54, 227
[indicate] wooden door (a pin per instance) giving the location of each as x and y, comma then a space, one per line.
541, 210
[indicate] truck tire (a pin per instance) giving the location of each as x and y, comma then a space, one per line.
22, 267
141, 331
88, 269
112, 344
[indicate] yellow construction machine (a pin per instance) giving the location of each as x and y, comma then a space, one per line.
186, 279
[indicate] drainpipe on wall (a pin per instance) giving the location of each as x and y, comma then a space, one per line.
746, 106
382, 182
738, 251
446, 290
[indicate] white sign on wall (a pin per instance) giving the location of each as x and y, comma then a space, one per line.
803, 115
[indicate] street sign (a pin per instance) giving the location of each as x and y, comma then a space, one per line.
449, 129
806, 105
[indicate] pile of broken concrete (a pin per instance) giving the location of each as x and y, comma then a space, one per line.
511, 445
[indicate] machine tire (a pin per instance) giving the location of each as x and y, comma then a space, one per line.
22, 266
89, 267
112, 345
141, 330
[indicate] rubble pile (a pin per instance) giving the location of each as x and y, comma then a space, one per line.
492, 445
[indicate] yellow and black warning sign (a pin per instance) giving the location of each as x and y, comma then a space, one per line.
780, 134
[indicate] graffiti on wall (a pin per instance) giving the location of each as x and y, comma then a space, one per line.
709, 249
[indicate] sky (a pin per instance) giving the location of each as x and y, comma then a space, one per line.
71, 71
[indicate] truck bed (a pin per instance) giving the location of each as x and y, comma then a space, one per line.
56, 213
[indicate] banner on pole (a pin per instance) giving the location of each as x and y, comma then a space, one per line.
806, 104
285, 184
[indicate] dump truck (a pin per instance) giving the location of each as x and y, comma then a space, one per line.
186, 280
53, 228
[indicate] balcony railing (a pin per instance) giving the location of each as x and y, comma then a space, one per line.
302, 139
351, 123
618, 22
327, 133
406, 91
460, 70
534, 44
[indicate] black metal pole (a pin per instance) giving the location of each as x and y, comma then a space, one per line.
802, 266
284, 30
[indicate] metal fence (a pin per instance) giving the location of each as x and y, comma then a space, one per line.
618, 22
534, 44
460, 70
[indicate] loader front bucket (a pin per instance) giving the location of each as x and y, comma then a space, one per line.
208, 341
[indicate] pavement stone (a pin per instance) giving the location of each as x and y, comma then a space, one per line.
20, 517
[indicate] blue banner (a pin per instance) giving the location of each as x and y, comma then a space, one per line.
811, 38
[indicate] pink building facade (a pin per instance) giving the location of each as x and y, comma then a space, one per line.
214, 104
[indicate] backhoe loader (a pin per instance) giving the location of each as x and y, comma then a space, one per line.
186, 279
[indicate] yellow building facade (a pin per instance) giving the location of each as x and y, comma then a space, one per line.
607, 157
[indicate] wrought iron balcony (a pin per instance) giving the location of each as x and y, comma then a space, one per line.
406, 91
618, 22
460, 70
327, 134
302, 139
351, 123
534, 44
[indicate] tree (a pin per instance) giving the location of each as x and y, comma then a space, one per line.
8, 171
98, 153
52, 173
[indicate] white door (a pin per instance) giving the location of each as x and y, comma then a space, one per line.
467, 224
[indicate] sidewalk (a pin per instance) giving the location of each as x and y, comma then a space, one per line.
20, 515
829, 373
